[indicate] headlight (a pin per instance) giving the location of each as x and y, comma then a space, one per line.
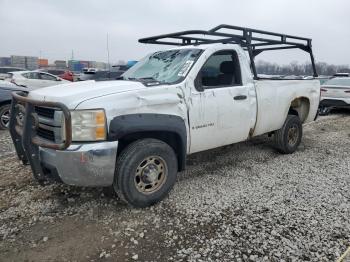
88, 125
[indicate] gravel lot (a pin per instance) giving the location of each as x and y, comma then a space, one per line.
243, 202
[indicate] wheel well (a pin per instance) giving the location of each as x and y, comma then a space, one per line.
171, 138
5, 103
300, 107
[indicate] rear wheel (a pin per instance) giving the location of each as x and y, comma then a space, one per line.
146, 171
4, 116
288, 138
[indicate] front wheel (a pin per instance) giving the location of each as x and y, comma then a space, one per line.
4, 116
288, 138
146, 171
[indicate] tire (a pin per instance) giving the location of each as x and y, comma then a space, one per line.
324, 111
4, 116
288, 138
146, 171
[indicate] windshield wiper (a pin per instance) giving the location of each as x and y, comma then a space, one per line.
146, 80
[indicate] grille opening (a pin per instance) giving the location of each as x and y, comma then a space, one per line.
47, 134
45, 111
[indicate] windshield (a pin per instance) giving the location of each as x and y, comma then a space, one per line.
164, 67
338, 82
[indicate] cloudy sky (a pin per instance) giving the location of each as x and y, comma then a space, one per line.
53, 28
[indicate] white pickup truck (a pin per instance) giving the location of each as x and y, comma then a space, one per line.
134, 134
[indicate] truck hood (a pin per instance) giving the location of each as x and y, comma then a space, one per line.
73, 94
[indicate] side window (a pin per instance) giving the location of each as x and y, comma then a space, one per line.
55, 72
220, 70
31, 75
47, 77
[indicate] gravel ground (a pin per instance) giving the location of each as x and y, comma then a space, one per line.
243, 202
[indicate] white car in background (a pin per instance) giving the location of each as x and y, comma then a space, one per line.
4, 70
35, 79
335, 93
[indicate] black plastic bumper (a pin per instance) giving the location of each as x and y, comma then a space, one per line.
333, 103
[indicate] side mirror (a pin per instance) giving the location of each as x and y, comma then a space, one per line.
198, 83
58, 79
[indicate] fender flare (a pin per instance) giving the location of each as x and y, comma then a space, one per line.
123, 125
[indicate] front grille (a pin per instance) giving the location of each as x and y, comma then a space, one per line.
45, 112
45, 133
50, 124
46, 124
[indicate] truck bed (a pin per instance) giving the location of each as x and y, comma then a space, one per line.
274, 98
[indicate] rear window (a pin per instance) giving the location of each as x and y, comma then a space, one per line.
339, 82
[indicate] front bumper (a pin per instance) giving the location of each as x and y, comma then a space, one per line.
91, 164
88, 164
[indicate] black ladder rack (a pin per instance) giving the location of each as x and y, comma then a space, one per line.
252, 40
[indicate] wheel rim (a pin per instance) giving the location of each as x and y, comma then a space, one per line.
5, 118
151, 174
293, 135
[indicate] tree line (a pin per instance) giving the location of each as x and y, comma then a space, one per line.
294, 68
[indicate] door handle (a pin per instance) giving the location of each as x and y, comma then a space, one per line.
240, 97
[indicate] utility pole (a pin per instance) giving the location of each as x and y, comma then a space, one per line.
109, 66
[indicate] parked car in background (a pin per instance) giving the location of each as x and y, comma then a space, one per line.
62, 73
6, 88
99, 75
120, 69
117, 68
34, 79
90, 69
341, 75
335, 93
5, 70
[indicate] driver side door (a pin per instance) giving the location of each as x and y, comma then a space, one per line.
220, 113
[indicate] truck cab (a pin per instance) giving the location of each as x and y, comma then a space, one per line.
134, 134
